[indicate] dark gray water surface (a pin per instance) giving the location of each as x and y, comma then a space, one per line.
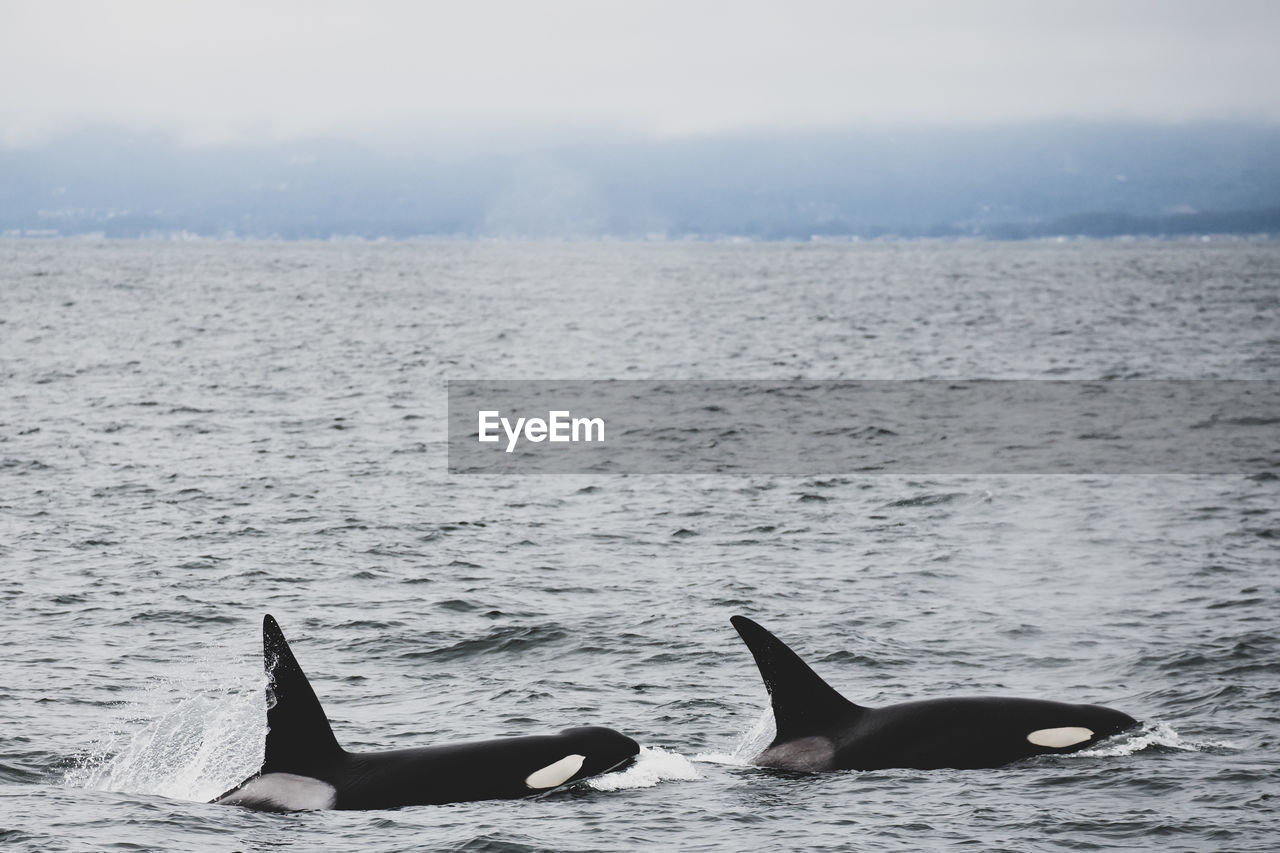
192, 435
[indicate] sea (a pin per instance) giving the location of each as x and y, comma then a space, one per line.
195, 434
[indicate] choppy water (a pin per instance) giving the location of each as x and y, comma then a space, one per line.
193, 435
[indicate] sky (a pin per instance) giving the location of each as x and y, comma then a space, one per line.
229, 71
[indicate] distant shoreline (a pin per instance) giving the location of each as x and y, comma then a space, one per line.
1032, 181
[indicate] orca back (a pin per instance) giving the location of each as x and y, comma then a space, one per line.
818, 729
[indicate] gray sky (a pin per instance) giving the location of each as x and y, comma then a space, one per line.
227, 70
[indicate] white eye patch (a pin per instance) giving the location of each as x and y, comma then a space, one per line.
555, 774
1060, 738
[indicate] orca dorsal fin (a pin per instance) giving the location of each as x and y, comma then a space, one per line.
802, 702
299, 738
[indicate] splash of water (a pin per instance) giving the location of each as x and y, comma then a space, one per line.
653, 765
188, 737
752, 743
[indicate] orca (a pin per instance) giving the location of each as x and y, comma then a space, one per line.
304, 768
818, 729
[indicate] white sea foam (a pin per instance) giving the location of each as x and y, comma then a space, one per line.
1151, 735
653, 765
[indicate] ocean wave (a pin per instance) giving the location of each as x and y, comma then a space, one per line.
505, 639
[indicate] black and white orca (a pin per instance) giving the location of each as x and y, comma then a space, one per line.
818, 729
305, 768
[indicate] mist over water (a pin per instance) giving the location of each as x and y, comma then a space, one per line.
194, 435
